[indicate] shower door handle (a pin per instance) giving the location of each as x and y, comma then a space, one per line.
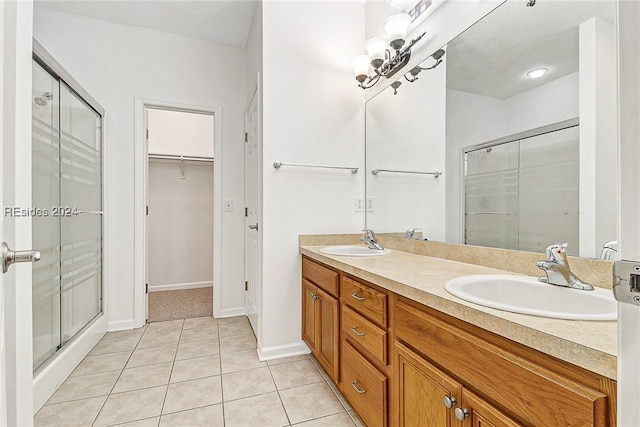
10, 257
254, 226
78, 212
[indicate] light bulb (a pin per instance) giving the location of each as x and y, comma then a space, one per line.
536, 73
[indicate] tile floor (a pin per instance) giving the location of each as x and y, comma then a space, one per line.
194, 372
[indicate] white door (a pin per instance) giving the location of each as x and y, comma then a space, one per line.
16, 370
253, 231
629, 315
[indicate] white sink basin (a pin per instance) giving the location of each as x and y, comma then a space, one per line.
352, 250
522, 294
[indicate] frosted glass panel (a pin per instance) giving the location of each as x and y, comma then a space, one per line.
510, 187
81, 235
67, 228
46, 229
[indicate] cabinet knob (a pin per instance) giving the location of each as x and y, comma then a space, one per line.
355, 387
314, 295
461, 413
449, 401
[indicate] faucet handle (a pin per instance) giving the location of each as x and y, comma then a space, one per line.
411, 232
368, 233
558, 253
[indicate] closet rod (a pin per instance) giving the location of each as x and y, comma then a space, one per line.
187, 158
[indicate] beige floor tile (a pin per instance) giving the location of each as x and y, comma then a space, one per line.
287, 359
339, 395
193, 394
295, 374
210, 416
199, 333
143, 377
234, 328
131, 406
115, 342
338, 420
199, 321
102, 363
76, 413
310, 402
159, 338
236, 343
169, 325
189, 350
240, 361
320, 368
152, 356
148, 422
356, 419
264, 410
198, 367
235, 319
85, 386
238, 385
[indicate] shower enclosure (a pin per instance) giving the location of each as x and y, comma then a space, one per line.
66, 210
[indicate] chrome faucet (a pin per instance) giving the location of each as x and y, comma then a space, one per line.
370, 239
557, 269
410, 234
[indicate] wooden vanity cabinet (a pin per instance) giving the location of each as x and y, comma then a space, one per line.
321, 314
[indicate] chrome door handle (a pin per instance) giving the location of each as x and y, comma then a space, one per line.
10, 257
355, 387
355, 295
254, 226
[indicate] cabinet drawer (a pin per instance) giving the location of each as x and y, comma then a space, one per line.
364, 387
365, 333
325, 278
531, 392
365, 300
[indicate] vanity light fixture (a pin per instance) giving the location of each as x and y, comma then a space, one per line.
437, 55
384, 61
536, 73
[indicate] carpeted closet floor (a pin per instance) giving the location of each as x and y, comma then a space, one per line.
184, 304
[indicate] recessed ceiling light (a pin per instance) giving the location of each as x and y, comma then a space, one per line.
536, 73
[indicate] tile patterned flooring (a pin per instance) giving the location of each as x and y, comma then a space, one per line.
194, 372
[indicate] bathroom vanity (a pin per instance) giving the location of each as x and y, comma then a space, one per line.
404, 352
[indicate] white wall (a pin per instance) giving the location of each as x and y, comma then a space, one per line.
313, 113
180, 133
474, 119
406, 131
117, 63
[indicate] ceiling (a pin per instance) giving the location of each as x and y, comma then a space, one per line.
492, 57
224, 22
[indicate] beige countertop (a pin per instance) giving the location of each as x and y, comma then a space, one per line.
589, 344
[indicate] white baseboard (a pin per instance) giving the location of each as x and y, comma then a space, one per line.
180, 286
280, 351
122, 325
49, 378
232, 312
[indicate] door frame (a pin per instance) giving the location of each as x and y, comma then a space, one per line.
140, 201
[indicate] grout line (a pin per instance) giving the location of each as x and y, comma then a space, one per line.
173, 364
286, 413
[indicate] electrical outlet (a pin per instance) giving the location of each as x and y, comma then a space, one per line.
370, 204
358, 204
228, 205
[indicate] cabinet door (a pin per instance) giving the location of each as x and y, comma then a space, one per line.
477, 412
309, 295
327, 332
420, 391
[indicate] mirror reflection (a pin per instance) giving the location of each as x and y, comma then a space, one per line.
520, 120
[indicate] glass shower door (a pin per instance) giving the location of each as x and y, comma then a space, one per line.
80, 213
67, 214
46, 228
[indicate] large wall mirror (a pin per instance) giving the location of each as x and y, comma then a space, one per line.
511, 141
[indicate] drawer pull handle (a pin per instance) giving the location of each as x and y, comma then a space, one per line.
461, 413
355, 387
449, 401
355, 295
354, 329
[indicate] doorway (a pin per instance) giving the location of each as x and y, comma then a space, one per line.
180, 199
